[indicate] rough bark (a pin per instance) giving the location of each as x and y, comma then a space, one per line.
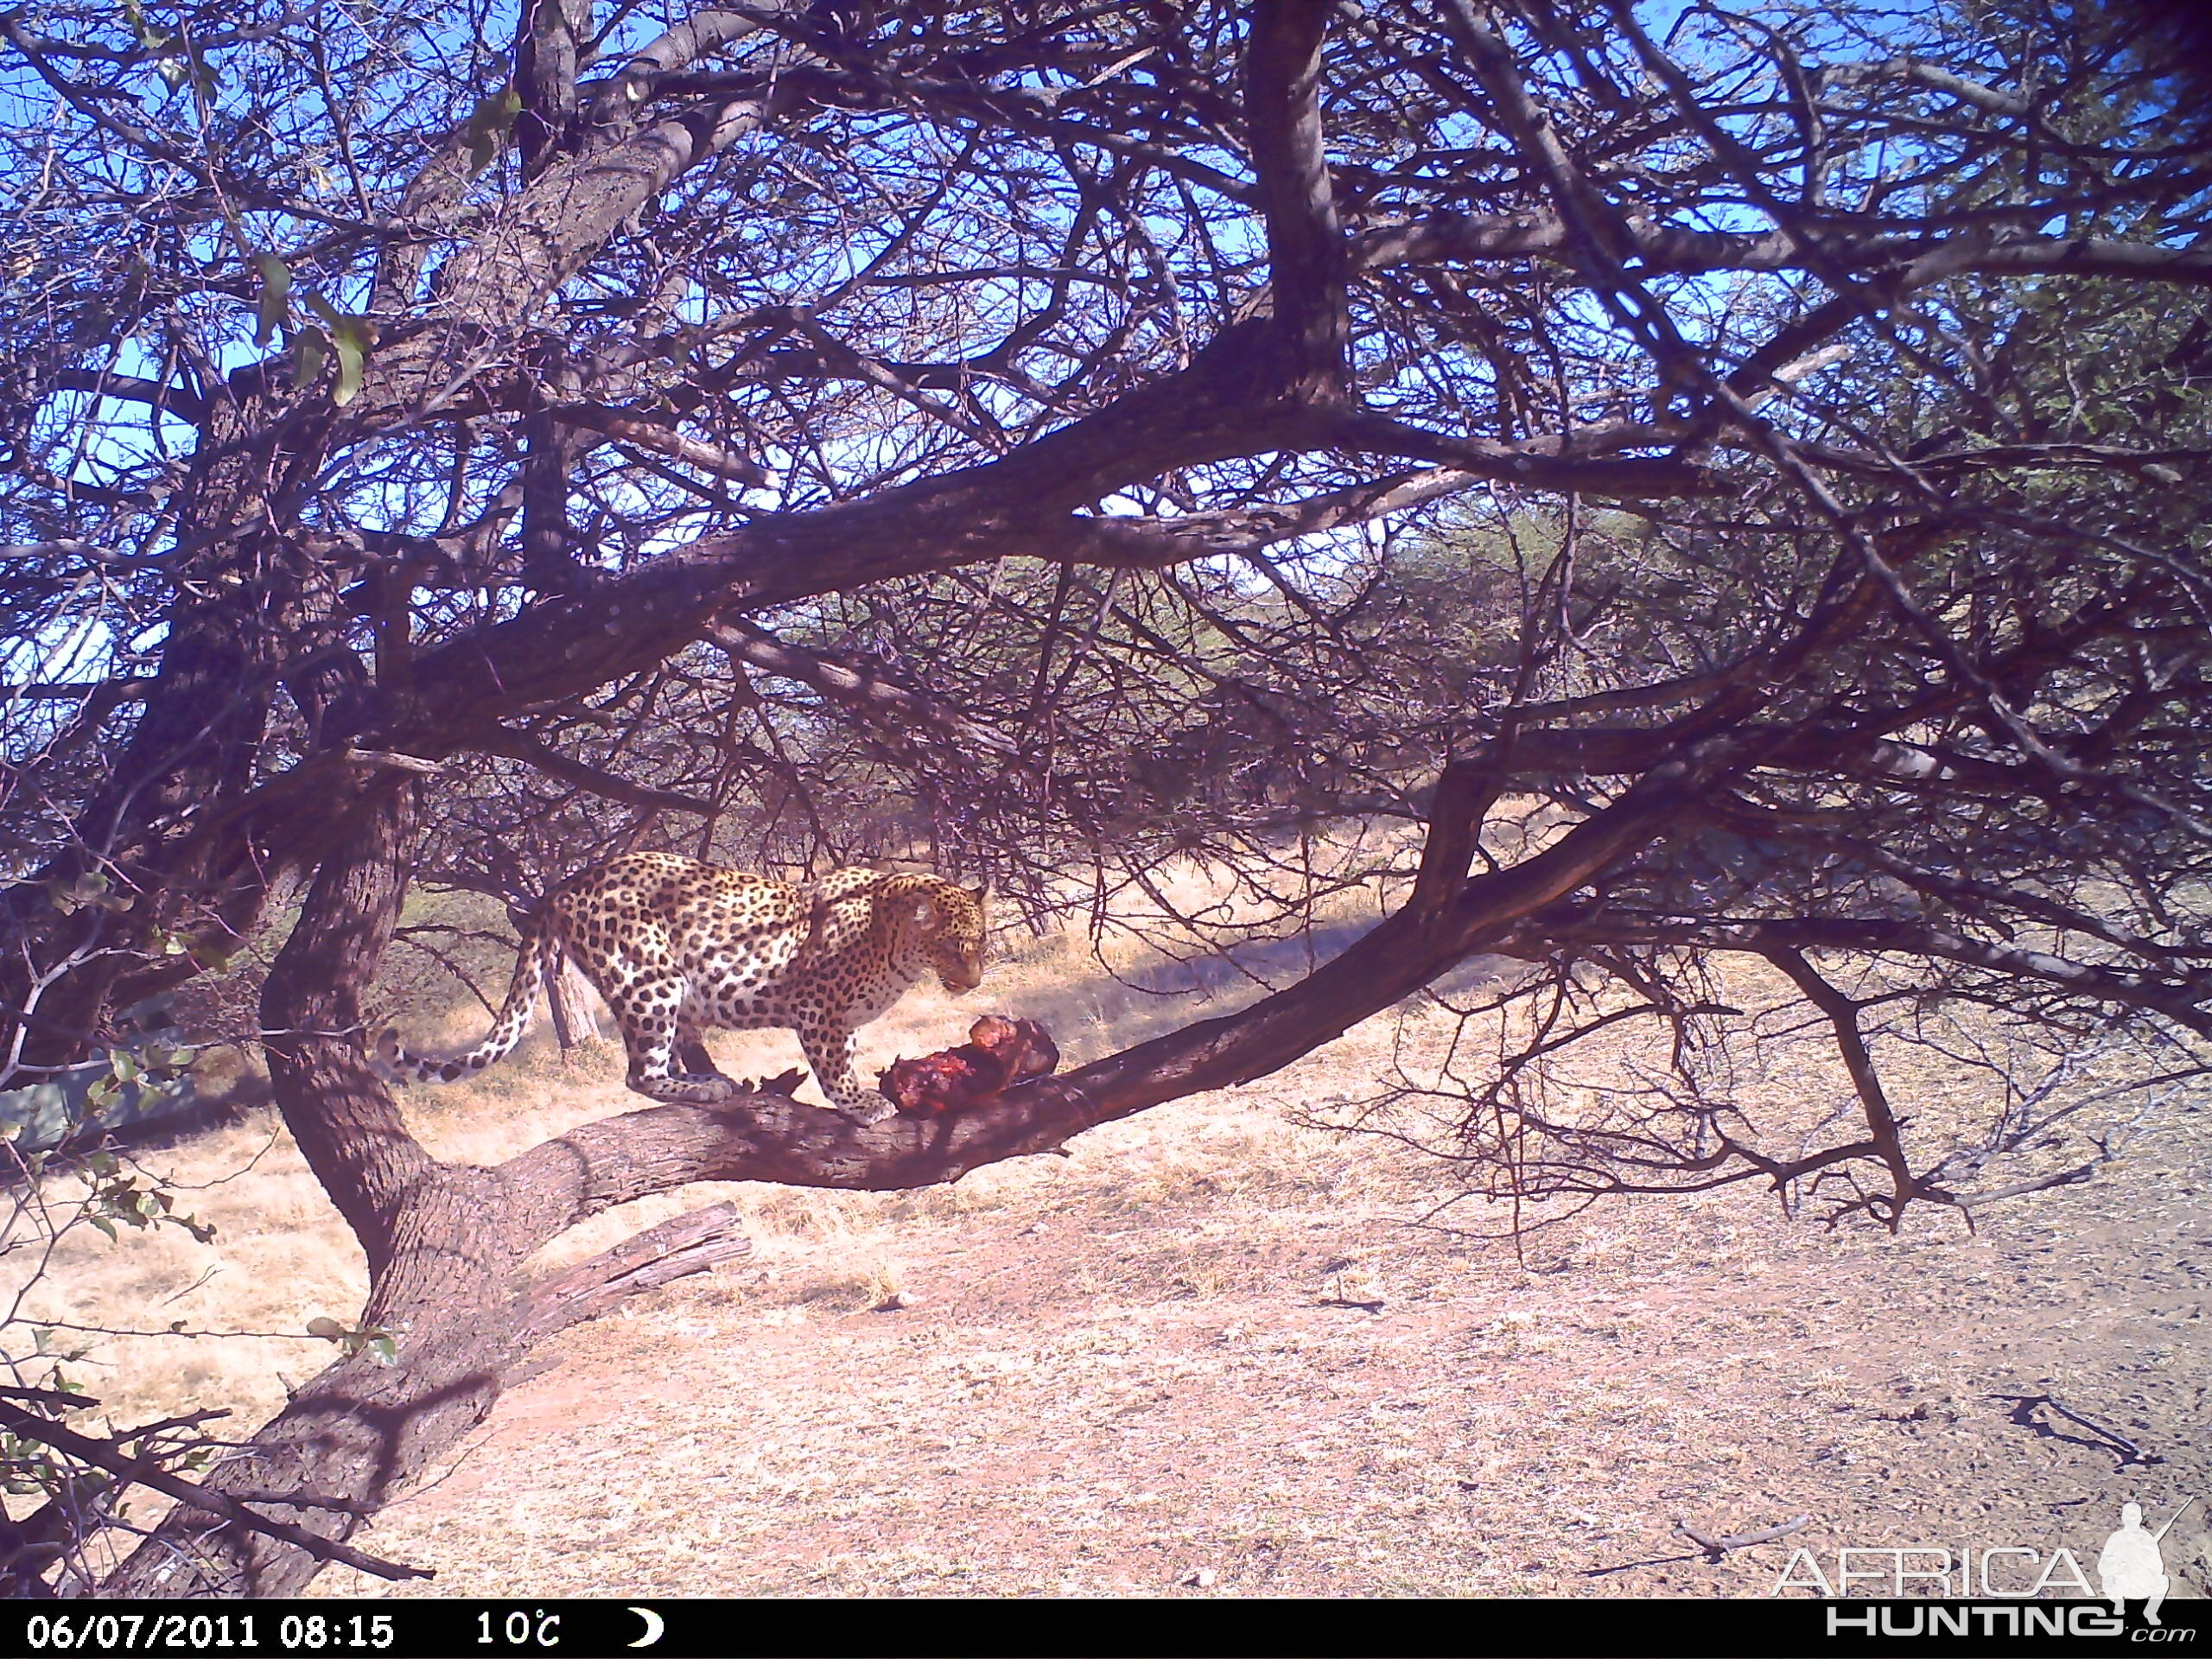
441, 1256
569, 999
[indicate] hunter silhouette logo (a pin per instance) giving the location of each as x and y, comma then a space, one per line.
2130, 1565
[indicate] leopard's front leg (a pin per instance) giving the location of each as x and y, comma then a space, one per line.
829, 1048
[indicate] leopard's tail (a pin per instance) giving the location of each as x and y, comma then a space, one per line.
535, 965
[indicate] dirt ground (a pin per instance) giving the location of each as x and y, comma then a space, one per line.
1211, 1354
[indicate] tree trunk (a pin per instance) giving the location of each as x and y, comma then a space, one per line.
195, 751
569, 997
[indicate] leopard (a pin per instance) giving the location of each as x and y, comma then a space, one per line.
678, 947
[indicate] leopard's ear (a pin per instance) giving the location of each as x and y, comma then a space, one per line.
923, 909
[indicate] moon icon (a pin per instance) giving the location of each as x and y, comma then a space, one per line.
655, 1627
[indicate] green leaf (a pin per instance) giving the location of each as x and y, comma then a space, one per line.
350, 361
90, 888
103, 1223
488, 122
215, 958
352, 338
383, 1349
273, 307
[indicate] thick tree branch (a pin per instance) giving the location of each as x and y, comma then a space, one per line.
1305, 246
153, 393
689, 1244
1673, 250
1930, 75
550, 39
561, 646
771, 1138
538, 242
348, 1129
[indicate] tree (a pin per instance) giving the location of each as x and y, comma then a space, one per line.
796, 431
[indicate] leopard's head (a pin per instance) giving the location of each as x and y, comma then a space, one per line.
949, 918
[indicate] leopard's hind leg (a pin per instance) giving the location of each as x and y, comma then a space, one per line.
691, 1051
652, 1031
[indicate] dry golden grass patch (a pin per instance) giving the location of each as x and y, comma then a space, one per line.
282, 1256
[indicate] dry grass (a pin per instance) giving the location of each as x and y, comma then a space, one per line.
1151, 1367
282, 1257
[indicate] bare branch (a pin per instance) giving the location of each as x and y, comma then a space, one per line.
863, 688
101, 1455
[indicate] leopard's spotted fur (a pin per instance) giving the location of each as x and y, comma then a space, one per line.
677, 947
